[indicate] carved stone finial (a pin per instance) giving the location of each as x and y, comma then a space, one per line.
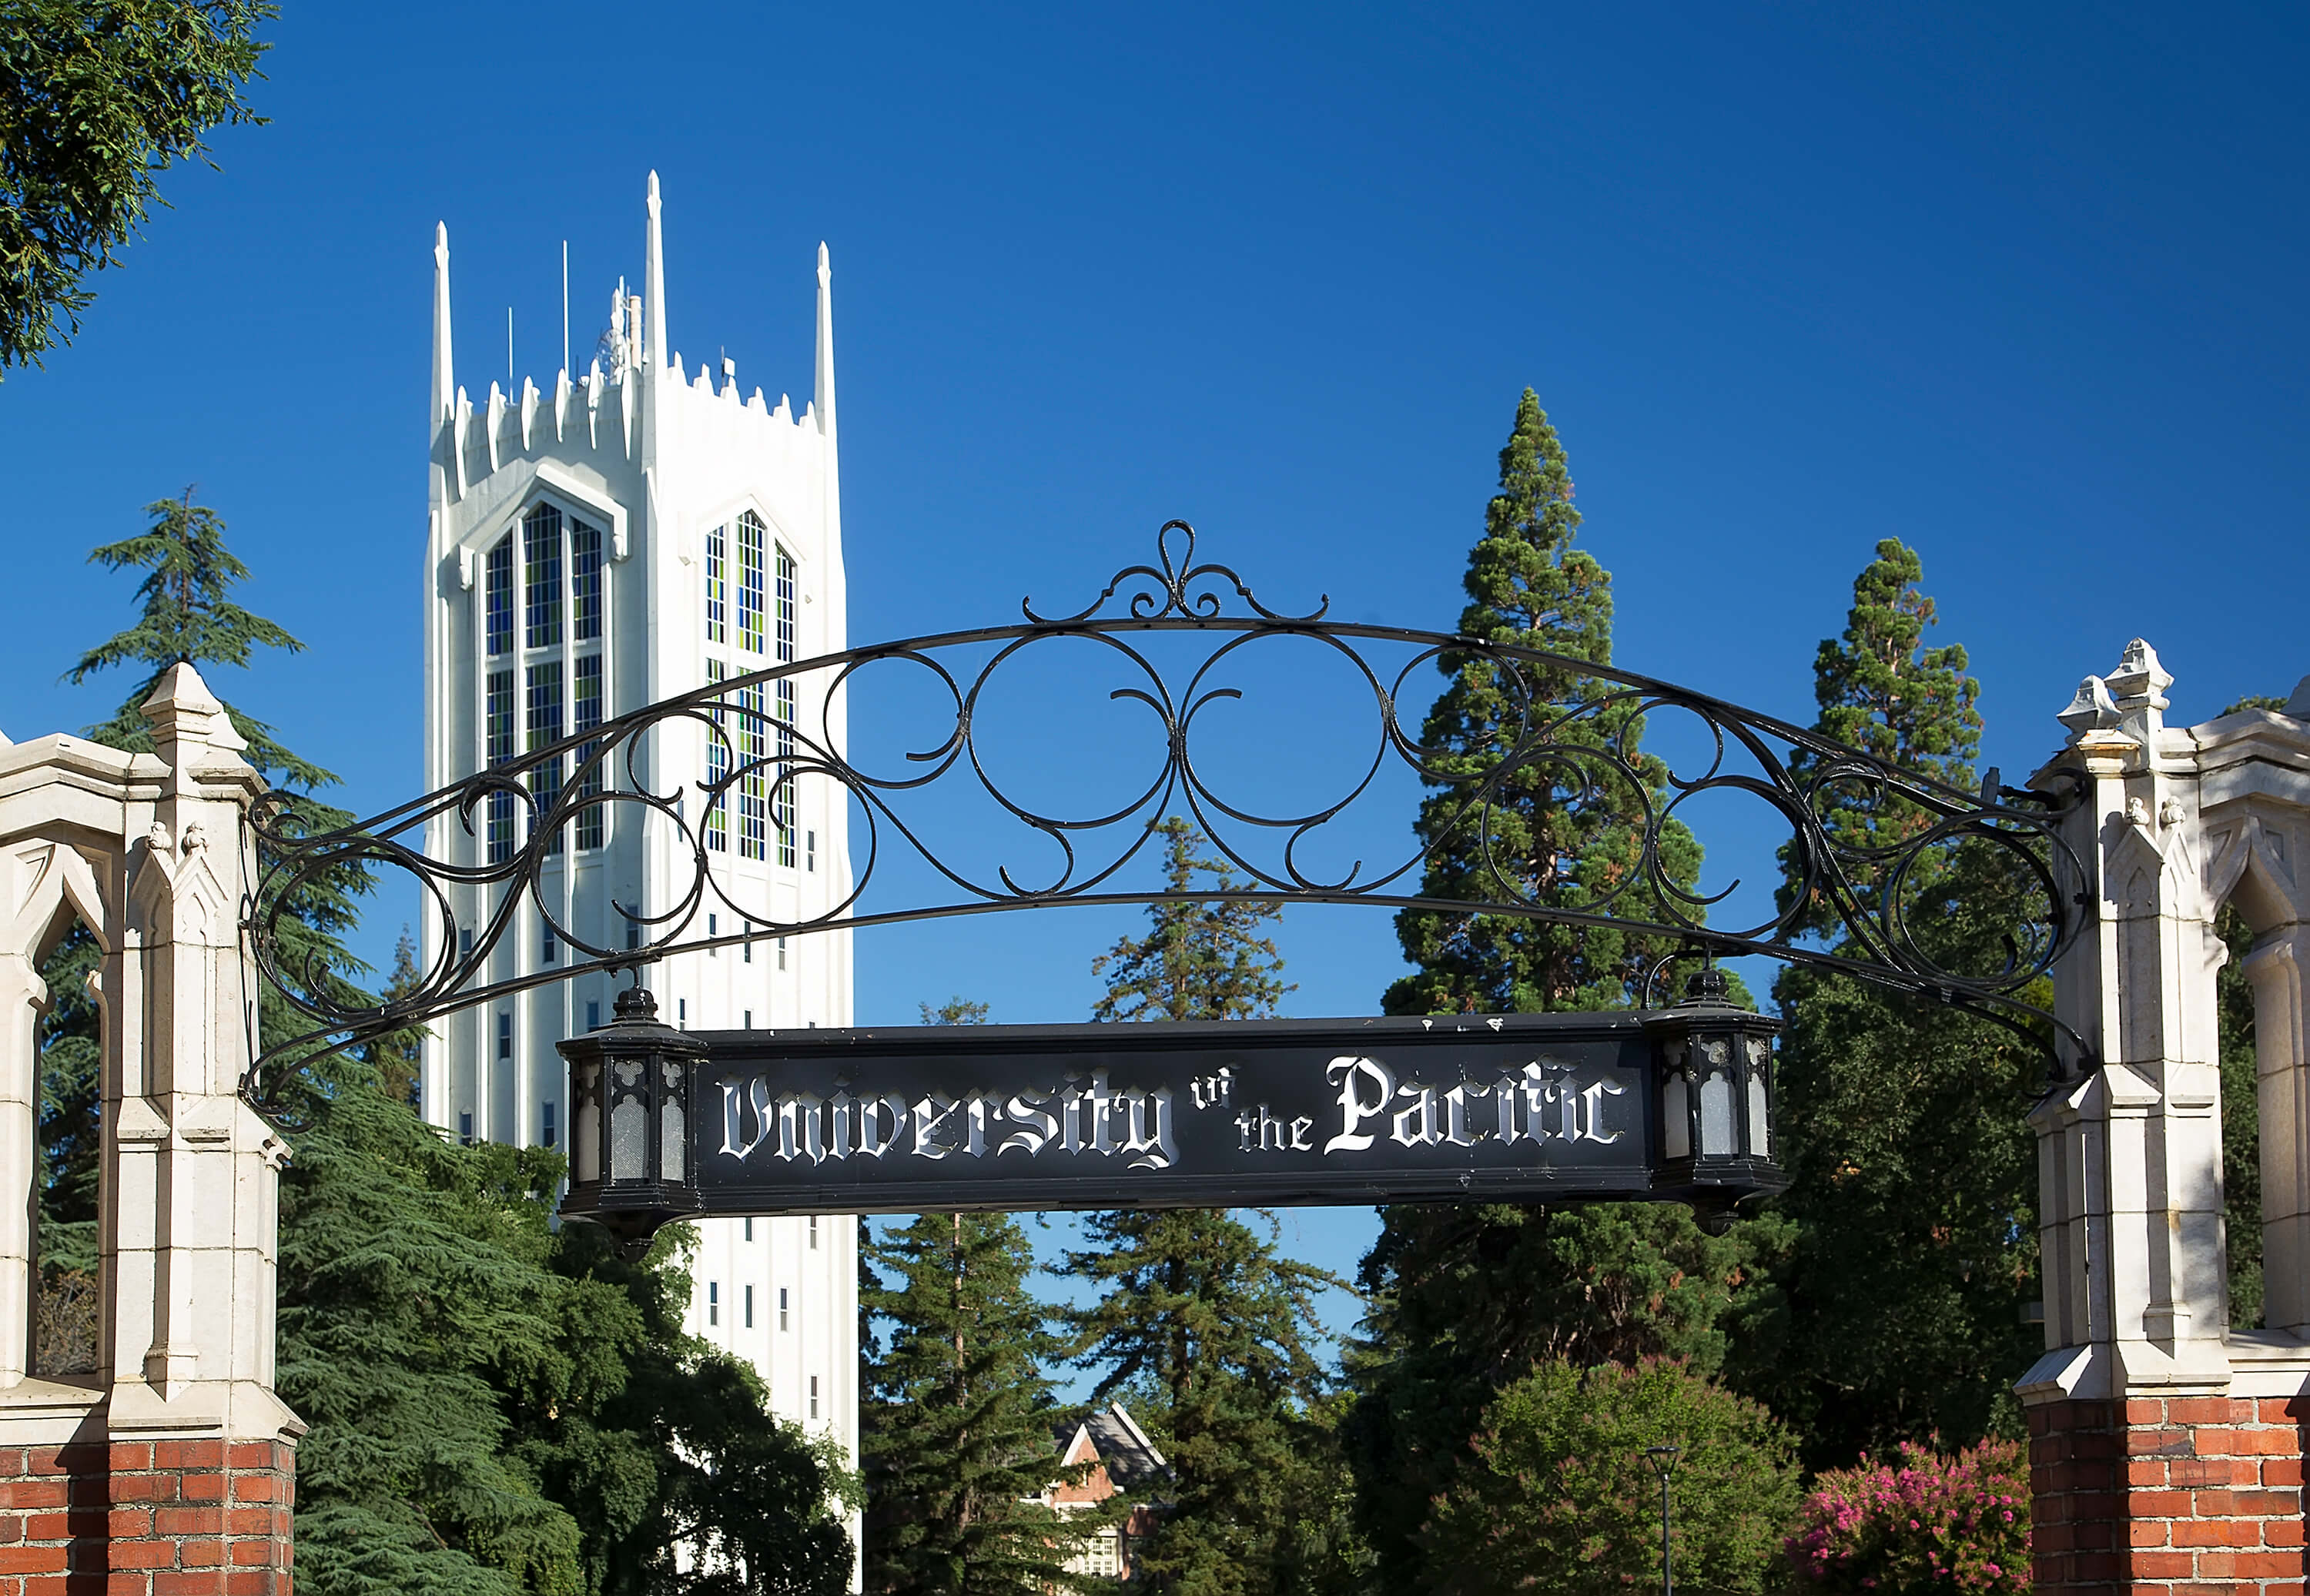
2139, 681
2092, 710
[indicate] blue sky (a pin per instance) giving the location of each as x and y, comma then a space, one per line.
2019, 286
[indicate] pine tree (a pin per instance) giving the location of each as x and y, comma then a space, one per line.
1467, 1299
1897, 1307
1198, 1322
959, 1419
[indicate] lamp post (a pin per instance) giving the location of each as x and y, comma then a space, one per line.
1664, 1462
629, 1135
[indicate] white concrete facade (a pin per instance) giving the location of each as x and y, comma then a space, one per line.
631, 534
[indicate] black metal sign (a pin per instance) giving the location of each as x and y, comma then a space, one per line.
1672, 1103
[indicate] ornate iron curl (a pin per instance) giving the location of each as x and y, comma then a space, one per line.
482, 849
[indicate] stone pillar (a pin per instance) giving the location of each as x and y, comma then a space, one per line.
171, 1467
2166, 1449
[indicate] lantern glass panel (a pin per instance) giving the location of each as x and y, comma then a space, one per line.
672, 1133
586, 1149
1676, 1116
1760, 1133
628, 1141
1716, 1132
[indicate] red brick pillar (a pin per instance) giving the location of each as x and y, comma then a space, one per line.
147, 1518
2171, 1497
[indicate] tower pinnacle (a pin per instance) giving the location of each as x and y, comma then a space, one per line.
445, 378
653, 346
823, 400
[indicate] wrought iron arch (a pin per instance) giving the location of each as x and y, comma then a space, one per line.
1557, 707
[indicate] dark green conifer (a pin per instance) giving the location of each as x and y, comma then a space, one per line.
1896, 1310
1467, 1298
1199, 1325
959, 1420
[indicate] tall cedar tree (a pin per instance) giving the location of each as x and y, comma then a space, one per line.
495, 1407
958, 1426
97, 98
958, 1423
1198, 1322
1467, 1299
1896, 1311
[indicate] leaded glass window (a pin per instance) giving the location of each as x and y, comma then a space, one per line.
717, 771
752, 537
585, 582
497, 596
498, 747
785, 605
753, 751
784, 797
586, 716
544, 713
717, 585
540, 559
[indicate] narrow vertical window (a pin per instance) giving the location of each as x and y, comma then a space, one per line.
750, 1307
718, 768
752, 537
497, 596
713, 1302
550, 945
717, 585
753, 752
540, 563
586, 716
814, 1396
785, 796
682, 1011
593, 1014
750, 1021
782, 953
585, 582
543, 707
810, 850
465, 1129
813, 1233
548, 1132
497, 739
505, 1034
782, 1307
465, 942
749, 1227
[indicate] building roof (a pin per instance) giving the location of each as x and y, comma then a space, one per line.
1111, 1434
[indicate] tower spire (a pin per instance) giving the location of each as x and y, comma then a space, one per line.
823, 400
654, 288
445, 377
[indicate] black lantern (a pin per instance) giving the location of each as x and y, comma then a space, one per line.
630, 1133
1716, 1063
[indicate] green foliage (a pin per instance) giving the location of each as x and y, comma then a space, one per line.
2241, 1088
1933, 1524
1560, 1496
97, 98
1198, 960
1895, 1310
398, 1056
1212, 1337
1881, 690
959, 1417
1468, 1299
955, 1010
1566, 831
1197, 1320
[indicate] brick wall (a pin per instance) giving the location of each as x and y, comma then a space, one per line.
2169, 1497
147, 1518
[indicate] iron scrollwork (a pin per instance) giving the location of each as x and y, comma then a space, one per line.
1567, 723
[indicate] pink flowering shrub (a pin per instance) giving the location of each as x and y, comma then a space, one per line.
1926, 1524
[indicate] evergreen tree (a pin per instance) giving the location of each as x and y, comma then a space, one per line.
1467, 1299
959, 1419
1198, 1322
1897, 1311
1198, 960
1568, 830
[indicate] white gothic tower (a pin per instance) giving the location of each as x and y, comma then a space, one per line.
635, 532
